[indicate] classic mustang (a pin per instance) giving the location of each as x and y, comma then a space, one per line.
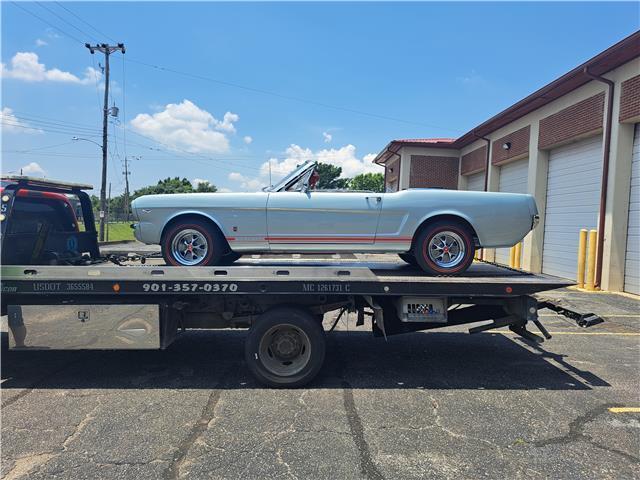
438, 230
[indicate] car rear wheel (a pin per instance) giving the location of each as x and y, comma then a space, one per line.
192, 243
285, 347
444, 248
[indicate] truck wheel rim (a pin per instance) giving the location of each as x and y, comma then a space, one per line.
285, 350
446, 249
189, 247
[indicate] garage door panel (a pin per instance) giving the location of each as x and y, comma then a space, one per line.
632, 258
513, 179
475, 181
572, 203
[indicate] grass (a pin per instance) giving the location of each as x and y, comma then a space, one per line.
118, 231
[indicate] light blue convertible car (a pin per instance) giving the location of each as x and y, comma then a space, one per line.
438, 230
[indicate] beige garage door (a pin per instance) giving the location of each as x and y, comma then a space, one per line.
475, 181
632, 260
513, 179
573, 201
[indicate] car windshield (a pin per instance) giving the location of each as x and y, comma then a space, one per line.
294, 177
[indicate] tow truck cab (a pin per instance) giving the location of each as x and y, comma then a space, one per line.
39, 221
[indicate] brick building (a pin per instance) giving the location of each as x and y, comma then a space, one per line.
574, 144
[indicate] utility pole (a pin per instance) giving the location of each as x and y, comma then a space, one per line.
126, 187
107, 50
108, 209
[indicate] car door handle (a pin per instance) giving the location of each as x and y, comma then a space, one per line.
377, 199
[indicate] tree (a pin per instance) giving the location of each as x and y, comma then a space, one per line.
168, 185
330, 177
206, 187
371, 182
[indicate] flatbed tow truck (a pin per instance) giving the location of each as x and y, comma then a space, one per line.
82, 300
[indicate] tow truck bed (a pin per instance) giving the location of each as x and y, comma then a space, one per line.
265, 277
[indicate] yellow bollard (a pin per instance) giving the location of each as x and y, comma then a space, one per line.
512, 257
582, 256
591, 261
517, 255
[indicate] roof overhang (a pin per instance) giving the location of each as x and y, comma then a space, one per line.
394, 146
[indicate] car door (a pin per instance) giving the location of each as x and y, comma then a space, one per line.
299, 219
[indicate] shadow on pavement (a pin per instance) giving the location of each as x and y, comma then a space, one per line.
197, 359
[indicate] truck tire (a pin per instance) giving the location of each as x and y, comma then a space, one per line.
192, 243
285, 347
444, 248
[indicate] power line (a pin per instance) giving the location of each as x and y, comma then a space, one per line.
170, 149
48, 123
84, 21
32, 115
43, 129
285, 97
39, 148
64, 20
67, 34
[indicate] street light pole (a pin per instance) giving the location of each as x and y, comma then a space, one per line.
107, 50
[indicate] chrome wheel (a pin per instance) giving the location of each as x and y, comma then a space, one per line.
285, 350
189, 247
446, 249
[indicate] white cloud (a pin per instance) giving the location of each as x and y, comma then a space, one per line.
327, 137
11, 124
227, 122
248, 183
41, 43
186, 126
26, 66
33, 169
247, 139
344, 157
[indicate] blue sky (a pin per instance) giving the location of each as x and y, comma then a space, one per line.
363, 74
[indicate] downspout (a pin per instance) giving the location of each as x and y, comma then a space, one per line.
605, 174
486, 164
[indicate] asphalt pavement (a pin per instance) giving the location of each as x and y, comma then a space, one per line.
444, 404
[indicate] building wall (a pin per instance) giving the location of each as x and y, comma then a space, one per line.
518, 143
430, 171
630, 100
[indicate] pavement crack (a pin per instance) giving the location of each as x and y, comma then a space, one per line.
281, 461
367, 467
576, 433
79, 428
207, 415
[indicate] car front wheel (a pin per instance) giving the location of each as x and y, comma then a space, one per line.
191, 243
444, 248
